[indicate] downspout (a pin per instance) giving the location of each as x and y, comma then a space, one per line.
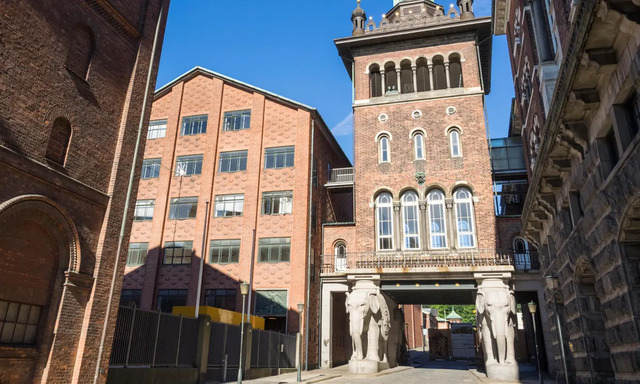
306, 320
127, 202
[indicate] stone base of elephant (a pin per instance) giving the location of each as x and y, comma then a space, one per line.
367, 366
503, 372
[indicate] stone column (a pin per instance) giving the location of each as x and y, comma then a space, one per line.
446, 71
451, 220
399, 79
414, 70
397, 227
496, 319
430, 67
383, 82
424, 225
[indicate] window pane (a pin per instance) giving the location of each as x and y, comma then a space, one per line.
279, 157
193, 125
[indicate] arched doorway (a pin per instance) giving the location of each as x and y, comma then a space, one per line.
39, 244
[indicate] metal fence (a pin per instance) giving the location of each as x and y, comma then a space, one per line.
341, 175
416, 259
153, 339
272, 350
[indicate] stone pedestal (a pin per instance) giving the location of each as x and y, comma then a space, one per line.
503, 372
367, 366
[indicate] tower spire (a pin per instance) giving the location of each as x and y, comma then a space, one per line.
466, 9
358, 17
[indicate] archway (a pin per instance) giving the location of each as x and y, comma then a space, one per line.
39, 243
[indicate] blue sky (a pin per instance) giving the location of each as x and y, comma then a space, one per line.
287, 47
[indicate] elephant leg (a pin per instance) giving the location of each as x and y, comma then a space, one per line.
373, 341
487, 344
511, 352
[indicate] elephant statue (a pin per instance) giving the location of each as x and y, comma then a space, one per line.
371, 323
496, 315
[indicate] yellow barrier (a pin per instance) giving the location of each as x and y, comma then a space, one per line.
219, 315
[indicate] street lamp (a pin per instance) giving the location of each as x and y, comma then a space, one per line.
532, 308
244, 289
553, 285
300, 310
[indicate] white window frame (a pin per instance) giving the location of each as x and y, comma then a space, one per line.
458, 201
157, 129
340, 257
455, 147
418, 146
386, 205
431, 204
382, 152
414, 206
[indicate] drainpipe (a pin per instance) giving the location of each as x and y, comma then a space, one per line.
127, 202
306, 321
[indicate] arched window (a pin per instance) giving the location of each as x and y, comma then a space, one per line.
422, 74
454, 142
464, 218
384, 150
418, 146
406, 77
341, 256
80, 51
375, 81
521, 257
410, 221
384, 221
437, 221
390, 77
439, 74
59, 141
455, 71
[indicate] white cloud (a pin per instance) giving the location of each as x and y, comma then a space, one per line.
345, 127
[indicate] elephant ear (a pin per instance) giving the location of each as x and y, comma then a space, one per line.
374, 302
346, 301
480, 303
512, 303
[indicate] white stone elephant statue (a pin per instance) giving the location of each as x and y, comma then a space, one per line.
374, 322
496, 315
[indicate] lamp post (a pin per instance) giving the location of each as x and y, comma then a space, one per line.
532, 308
244, 289
553, 285
299, 362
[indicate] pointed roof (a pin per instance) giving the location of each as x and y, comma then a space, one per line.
453, 315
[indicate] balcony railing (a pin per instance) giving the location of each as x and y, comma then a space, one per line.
416, 260
341, 176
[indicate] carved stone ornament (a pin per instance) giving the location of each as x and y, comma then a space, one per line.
421, 178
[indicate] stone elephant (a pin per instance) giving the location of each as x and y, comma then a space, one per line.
374, 320
496, 313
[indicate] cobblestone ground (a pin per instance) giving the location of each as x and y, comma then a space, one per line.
422, 370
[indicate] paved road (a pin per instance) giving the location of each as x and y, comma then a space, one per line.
422, 370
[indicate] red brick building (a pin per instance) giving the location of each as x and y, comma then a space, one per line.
578, 106
261, 161
74, 76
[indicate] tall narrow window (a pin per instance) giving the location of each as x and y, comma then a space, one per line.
455, 71
454, 141
439, 74
422, 74
418, 146
464, 218
384, 221
59, 140
410, 221
81, 51
375, 81
384, 150
521, 257
341, 256
437, 222
406, 77
390, 78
